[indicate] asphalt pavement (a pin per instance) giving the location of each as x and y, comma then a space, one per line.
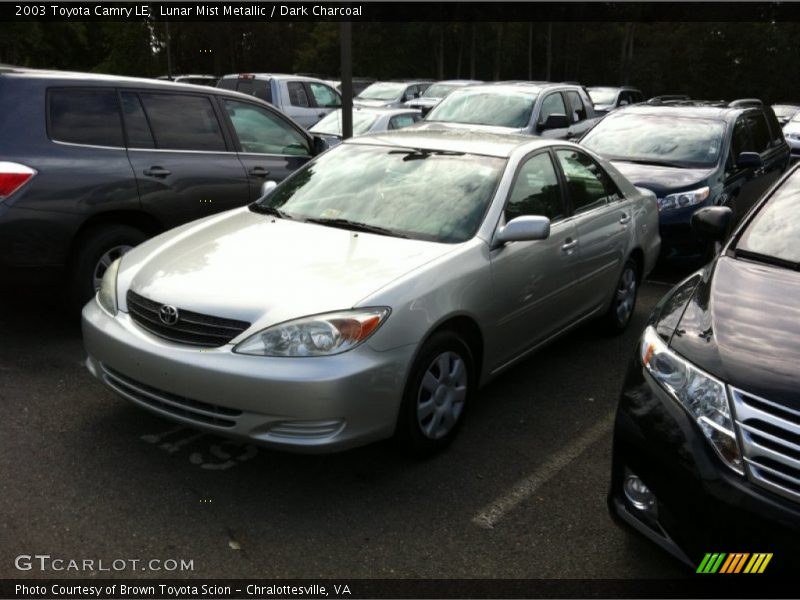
520, 494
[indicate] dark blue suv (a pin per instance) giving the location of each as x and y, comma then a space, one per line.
694, 154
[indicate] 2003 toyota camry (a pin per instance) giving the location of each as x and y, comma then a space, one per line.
371, 293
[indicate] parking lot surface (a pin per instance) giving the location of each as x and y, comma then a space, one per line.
520, 494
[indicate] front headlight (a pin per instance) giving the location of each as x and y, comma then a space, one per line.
683, 199
319, 335
703, 396
107, 294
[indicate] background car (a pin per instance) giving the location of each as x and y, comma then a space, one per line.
791, 131
551, 110
434, 94
210, 80
402, 271
91, 165
366, 120
692, 155
705, 443
606, 99
305, 99
784, 112
391, 94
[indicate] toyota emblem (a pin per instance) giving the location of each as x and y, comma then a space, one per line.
168, 314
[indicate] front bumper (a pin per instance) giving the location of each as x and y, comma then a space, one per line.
702, 506
314, 404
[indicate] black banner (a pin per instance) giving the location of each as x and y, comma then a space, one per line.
415, 11
700, 586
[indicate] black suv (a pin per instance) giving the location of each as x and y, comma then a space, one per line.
693, 154
91, 165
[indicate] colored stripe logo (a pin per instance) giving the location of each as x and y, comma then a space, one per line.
741, 562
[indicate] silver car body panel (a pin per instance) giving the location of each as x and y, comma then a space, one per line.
266, 270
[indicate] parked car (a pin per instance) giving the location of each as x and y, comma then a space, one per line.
359, 84
91, 165
784, 112
436, 92
305, 99
705, 452
390, 94
791, 131
693, 155
552, 110
365, 120
210, 80
606, 99
371, 293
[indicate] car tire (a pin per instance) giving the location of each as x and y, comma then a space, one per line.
436, 395
623, 302
97, 249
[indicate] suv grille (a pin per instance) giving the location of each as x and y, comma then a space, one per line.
191, 328
770, 443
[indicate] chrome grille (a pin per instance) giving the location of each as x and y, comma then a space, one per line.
192, 328
770, 434
194, 410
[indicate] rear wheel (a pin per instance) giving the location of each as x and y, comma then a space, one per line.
436, 395
620, 312
96, 251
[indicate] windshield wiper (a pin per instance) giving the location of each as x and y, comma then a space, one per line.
657, 163
766, 259
355, 226
265, 209
421, 153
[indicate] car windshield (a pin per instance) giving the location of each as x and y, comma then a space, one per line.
331, 124
796, 118
502, 109
421, 194
383, 90
603, 95
657, 139
439, 90
774, 232
783, 111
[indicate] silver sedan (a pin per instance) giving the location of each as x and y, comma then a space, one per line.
371, 293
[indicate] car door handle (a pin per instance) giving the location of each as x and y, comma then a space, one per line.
258, 172
157, 172
569, 246
624, 219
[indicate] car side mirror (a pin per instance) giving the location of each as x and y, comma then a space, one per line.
523, 229
555, 121
320, 144
712, 223
266, 189
748, 160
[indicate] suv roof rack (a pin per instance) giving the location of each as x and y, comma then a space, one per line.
668, 98
743, 102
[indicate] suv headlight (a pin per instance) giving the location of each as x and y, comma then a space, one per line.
318, 335
107, 294
702, 395
683, 199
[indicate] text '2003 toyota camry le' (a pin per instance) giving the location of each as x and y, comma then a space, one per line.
373, 291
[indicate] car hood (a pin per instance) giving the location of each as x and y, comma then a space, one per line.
662, 180
742, 324
372, 103
425, 101
265, 270
443, 126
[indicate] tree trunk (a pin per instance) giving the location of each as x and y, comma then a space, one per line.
460, 54
530, 51
472, 54
441, 52
548, 72
498, 51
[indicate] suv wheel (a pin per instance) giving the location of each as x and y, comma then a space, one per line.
97, 250
436, 395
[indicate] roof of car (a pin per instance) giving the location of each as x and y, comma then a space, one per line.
627, 88
99, 77
454, 140
271, 76
697, 111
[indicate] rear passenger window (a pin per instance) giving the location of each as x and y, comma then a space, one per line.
182, 122
536, 190
586, 181
85, 116
774, 127
578, 110
136, 127
400, 121
759, 130
297, 94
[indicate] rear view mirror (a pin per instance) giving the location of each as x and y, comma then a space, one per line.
523, 229
555, 121
266, 189
748, 160
712, 223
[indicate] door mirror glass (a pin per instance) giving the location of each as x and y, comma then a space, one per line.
524, 229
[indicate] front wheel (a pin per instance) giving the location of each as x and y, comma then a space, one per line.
436, 395
624, 301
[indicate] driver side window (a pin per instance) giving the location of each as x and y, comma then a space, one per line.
261, 132
552, 105
536, 190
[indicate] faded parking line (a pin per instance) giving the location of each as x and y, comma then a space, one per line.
525, 488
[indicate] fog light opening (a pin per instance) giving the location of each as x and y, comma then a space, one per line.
638, 494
